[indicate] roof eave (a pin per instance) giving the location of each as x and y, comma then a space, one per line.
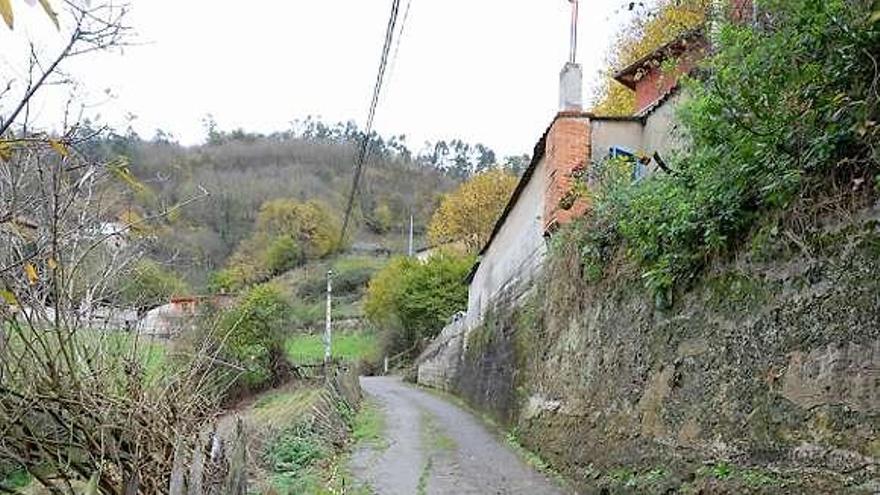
628, 75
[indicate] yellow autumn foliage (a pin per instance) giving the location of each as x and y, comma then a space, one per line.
287, 233
469, 213
645, 34
8, 15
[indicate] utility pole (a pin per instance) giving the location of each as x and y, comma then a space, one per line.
328, 335
572, 59
411, 252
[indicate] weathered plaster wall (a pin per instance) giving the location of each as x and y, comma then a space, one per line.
438, 365
770, 363
516, 252
606, 133
661, 133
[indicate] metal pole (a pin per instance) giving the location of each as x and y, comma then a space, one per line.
410, 236
328, 335
574, 31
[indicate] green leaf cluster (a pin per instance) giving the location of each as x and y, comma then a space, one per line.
253, 335
287, 234
781, 111
411, 300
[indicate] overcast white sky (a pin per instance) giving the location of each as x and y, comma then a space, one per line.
482, 70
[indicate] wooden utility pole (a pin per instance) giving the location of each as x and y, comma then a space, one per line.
328, 332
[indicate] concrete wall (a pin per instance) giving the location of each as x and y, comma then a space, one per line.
439, 363
661, 133
768, 364
517, 250
607, 133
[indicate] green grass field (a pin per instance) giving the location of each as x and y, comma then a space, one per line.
307, 349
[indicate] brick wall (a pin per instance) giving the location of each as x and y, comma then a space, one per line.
741, 10
567, 151
656, 82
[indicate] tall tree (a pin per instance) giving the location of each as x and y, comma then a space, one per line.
469, 213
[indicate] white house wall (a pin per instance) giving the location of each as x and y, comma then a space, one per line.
660, 132
517, 251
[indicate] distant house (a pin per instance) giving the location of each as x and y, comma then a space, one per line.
169, 320
115, 235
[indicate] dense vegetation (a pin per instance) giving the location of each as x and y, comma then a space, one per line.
242, 173
411, 301
150, 284
253, 334
287, 235
785, 115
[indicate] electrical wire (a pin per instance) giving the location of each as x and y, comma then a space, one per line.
364, 148
393, 64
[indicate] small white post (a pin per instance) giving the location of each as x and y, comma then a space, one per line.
386, 365
411, 252
328, 335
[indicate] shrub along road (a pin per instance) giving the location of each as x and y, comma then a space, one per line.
434, 447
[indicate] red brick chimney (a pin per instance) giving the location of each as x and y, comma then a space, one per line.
567, 151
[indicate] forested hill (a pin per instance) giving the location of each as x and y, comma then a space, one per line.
312, 162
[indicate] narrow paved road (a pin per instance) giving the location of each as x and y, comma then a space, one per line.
435, 447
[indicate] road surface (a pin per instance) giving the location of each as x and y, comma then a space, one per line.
435, 447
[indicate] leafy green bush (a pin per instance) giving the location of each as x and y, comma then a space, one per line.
226, 281
253, 333
283, 254
350, 277
412, 301
784, 110
295, 450
13, 479
291, 456
286, 235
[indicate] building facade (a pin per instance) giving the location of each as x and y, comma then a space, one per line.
575, 141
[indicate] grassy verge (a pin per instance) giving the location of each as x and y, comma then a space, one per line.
369, 426
298, 437
16, 480
307, 349
289, 454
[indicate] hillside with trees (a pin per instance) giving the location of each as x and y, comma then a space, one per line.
238, 176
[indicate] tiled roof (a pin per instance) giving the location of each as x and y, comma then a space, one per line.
629, 75
659, 102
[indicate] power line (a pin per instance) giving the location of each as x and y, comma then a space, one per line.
399, 38
368, 131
